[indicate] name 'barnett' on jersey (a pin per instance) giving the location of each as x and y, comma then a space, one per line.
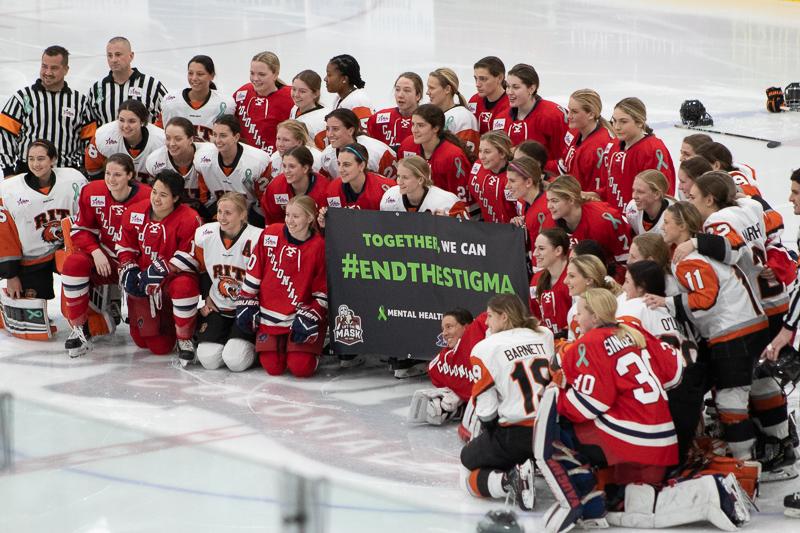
525, 350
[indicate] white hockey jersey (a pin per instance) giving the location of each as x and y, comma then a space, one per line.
462, 122
381, 158
36, 216
108, 141
511, 369
745, 179
226, 266
315, 123
359, 103
250, 175
276, 162
641, 223
161, 160
177, 105
434, 199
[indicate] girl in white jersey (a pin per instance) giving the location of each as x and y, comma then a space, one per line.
650, 200
511, 371
442, 89
343, 78
415, 192
307, 109
291, 134
586, 272
178, 155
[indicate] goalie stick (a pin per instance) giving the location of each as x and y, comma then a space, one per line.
770, 143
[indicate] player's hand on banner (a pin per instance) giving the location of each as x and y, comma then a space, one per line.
130, 277
247, 311
321, 217
305, 327
153, 276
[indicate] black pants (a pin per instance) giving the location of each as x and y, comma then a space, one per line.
500, 449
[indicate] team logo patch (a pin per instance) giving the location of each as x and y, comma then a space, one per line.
137, 218
476, 167
472, 106
68, 112
382, 118
271, 240
334, 201
408, 154
23, 201
485, 116
97, 201
159, 165
228, 287
241, 95
347, 328
281, 199
205, 159
568, 138
135, 92
499, 124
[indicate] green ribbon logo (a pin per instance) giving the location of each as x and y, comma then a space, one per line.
382, 314
582, 356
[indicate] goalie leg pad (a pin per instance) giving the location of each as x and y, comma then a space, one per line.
25, 318
210, 355
238, 354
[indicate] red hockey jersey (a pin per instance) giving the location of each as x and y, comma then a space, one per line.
489, 191
449, 166
451, 368
584, 158
260, 115
616, 397
389, 126
143, 240
99, 220
342, 195
621, 166
283, 274
546, 123
486, 111
279, 192
537, 218
552, 305
604, 224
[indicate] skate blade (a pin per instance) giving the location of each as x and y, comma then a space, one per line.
784, 474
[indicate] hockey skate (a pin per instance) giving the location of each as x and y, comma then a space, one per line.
350, 361
186, 352
520, 486
777, 458
408, 368
78, 343
792, 504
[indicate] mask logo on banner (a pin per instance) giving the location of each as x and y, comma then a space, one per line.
347, 329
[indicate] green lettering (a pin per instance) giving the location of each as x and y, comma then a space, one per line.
448, 279
506, 288
398, 271
491, 282
429, 273
475, 281
365, 272
366, 238
414, 267
380, 270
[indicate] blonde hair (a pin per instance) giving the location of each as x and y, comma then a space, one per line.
593, 269
651, 245
527, 167
298, 130
309, 207
501, 142
569, 188
517, 313
635, 108
419, 168
236, 198
603, 305
590, 102
688, 216
655, 180
448, 78
271, 60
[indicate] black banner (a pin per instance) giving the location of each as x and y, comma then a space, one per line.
392, 275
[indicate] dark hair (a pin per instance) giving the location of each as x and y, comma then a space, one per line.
695, 166
348, 118
434, 116
359, 151
716, 152
207, 63
174, 182
494, 65
348, 66
534, 149
648, 275
419, 87
590, 247
183, 123
312, 79
558, 238
795, 176
231, 122
462, 316
720, 185
696, 140
303, 156
137, 108
125, 161
49, 147
527, 74
57, 50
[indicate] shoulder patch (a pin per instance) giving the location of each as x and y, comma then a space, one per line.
97, 201
476, 166
334, 201
271, 241
137, 218
383, 118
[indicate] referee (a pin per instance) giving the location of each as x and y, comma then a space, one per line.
123, 83
50, 110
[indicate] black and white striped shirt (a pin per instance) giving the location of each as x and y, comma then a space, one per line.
35, 113
106, 95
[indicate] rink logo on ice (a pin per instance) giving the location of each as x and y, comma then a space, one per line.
347, 327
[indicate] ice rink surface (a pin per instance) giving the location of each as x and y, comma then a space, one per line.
122, 441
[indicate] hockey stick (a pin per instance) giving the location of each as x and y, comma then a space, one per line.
770, 143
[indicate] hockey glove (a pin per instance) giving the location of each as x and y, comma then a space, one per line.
247, 315
450, 401
305, 327
153, 276
775, 99
130, 279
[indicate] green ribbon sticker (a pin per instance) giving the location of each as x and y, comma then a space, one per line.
582, 356
382, 314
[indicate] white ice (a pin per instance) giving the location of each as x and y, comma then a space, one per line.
122, 441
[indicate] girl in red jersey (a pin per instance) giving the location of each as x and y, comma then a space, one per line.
524, 183
93, 260
636, 149
343, 128
487, 181
292, 133
284, 297
263, 103
442, 89
298, 178
589, 137
650, 200
531, 117
491, 99
393, 124
155, 236
449, 159
550, 299
307, 109
343, 78
594, 220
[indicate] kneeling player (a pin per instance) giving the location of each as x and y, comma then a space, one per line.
285, 296
92, 262
162, 299
31, 208
223, 249
511, 371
